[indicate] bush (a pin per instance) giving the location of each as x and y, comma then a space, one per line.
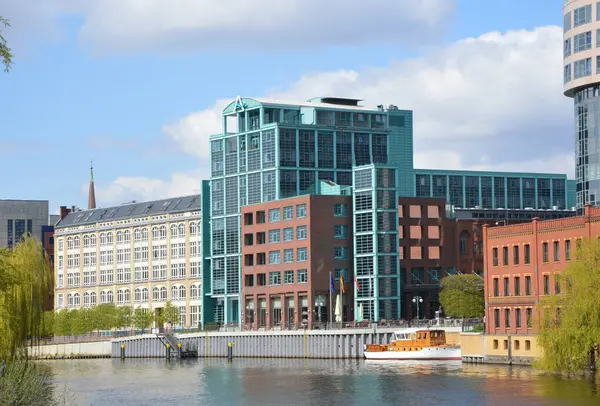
26, 383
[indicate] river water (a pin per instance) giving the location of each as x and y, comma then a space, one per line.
264, 382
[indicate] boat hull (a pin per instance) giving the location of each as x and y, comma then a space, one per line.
447, 353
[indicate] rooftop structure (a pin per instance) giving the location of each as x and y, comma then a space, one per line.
20, 217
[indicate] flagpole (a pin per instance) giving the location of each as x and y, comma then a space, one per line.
330, 299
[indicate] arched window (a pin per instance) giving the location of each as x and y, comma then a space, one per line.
141, 294
175, 292
86, 299
92, 298
103, 240
155, 233
106, 296
76, 300
156, 294
464, 242
173, 230
86, 241
123, 296
163, 294
137, 235
144, 234
193, 229
76, 242
195, 292
70, 300
92, 240
181, 230
109, 238
163, 232
120, 239
127, 237
70, 243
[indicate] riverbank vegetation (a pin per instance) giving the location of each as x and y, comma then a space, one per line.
462, 296
25, 283
570, 321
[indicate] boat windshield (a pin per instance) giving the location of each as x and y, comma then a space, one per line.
405, 336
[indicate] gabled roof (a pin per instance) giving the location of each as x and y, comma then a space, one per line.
132, 210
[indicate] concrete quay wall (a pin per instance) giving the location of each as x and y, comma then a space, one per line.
316, 344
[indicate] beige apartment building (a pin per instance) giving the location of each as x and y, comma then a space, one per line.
139, 255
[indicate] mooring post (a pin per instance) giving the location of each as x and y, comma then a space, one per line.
122, 351
179, 350
168, 351
230, 352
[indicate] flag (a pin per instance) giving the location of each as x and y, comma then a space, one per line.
357, 285
331, 282
342, 286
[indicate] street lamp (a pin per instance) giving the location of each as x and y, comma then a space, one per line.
319, 303
504, 222
417, 300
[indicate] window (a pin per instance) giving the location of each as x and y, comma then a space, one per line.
504, 256
288, 256
582, 15
274, 278
288, 277
301, 210
506, 287
195, 292
528, 286
340, 231
598, 64
274, 215
567, 73
568, 246
527, 255
567, 22
557, 284
274, 257
274, 236
302, 254
340, 209
582, 42
495, 256
288, 212
507, 318
545, 252
141, 295
497, 318
516, 255
556, 251
496, 287
302, 276
301, 232
340, 253
546, 284
583, 68
517, 286
567, 47
518, 318
288, 234
529, 317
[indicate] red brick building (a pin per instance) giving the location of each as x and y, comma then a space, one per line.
433, 246
522, 263
289, 248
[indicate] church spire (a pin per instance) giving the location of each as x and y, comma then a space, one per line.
92, 191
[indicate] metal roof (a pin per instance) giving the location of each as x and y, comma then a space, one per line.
132, 210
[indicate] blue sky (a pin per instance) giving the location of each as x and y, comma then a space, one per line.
91, 82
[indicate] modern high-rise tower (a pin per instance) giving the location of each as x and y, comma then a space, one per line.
581, 47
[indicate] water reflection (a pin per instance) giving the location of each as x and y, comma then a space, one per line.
315, 382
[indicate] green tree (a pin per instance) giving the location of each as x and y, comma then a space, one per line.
462, 296
124, 315
569, 333
104, 317
5, 52
25, 280
142, 318
168, 313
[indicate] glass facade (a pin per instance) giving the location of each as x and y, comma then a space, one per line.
493, 190
587, 147
376, 260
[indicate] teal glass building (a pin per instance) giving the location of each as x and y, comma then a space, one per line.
270, 150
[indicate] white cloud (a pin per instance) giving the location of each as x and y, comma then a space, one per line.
489, 103
259, 24
125, 189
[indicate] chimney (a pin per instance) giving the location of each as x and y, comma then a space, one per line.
64, 212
